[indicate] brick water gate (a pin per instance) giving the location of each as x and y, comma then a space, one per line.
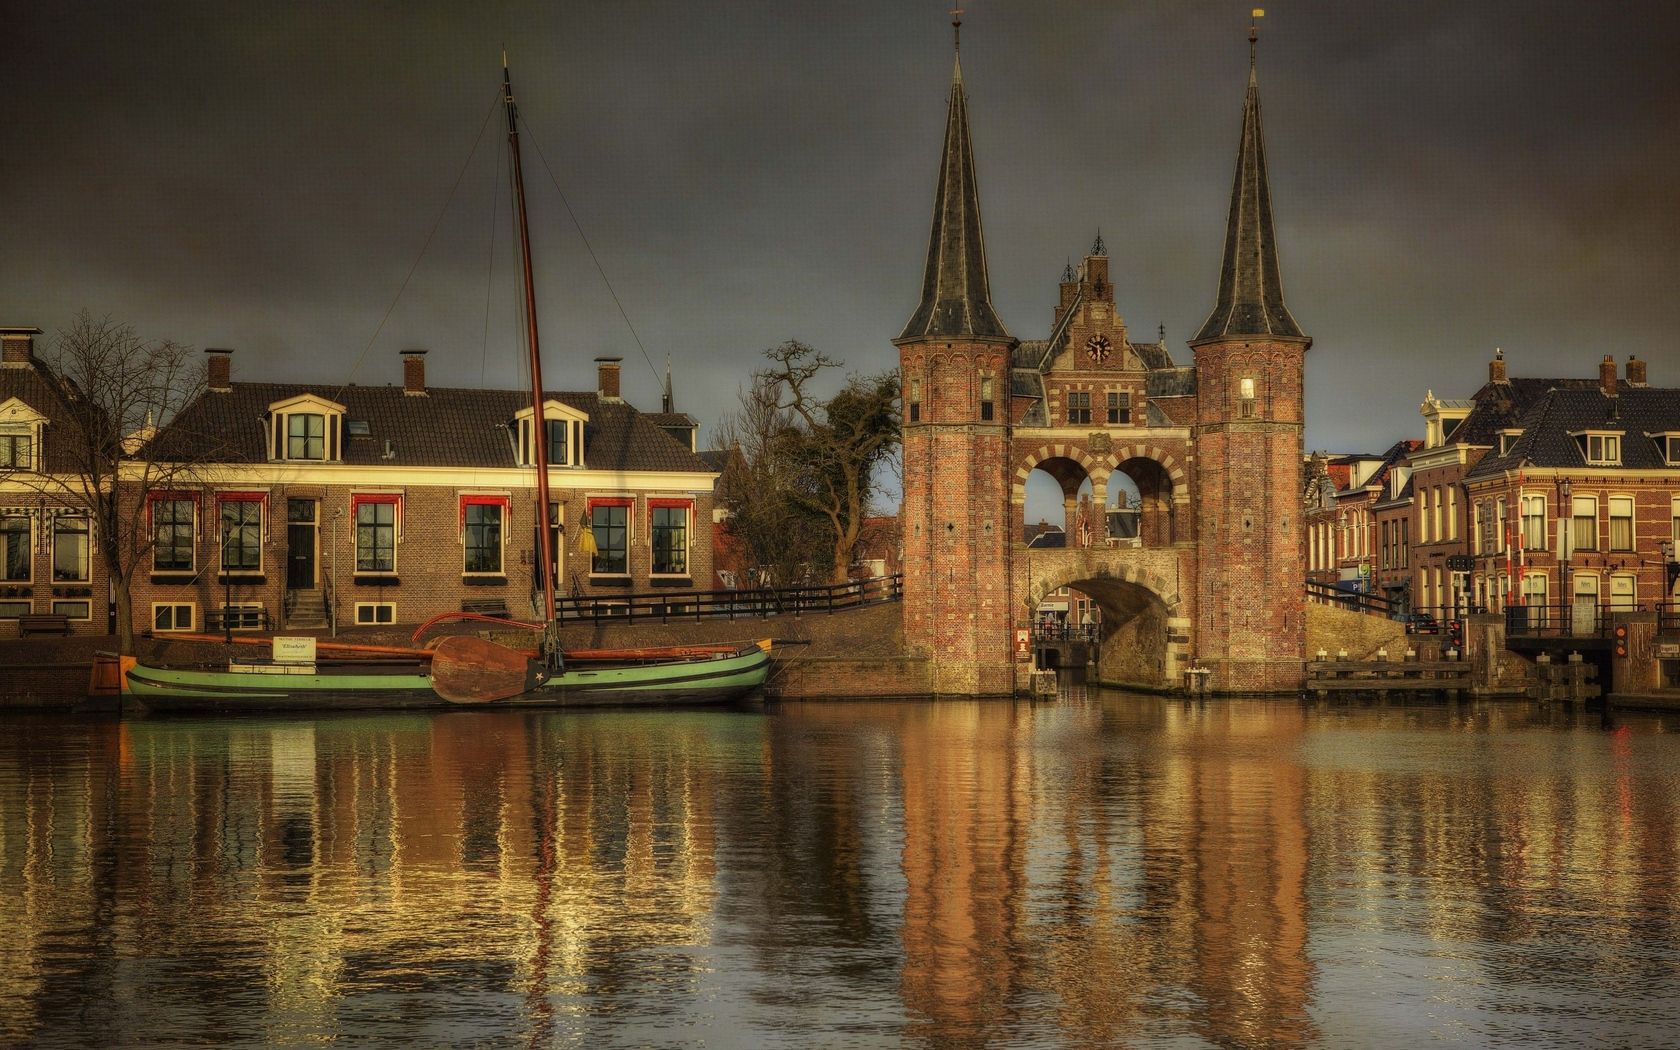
1201, 563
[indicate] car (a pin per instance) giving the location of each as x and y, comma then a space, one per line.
1420, 623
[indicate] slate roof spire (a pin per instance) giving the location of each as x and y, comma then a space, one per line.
956, 294
1250, 301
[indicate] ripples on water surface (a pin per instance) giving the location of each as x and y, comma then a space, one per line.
1107, 870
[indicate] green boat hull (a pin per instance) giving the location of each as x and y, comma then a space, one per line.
719, 680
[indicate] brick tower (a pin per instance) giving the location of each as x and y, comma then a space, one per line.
1250, 356
954, 359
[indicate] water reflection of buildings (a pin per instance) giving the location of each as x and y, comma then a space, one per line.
287, 865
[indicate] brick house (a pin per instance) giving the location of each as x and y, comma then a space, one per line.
48, 562
372, 505
1595, 468
1458, 434
1344, 541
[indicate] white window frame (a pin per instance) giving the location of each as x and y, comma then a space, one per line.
59, 606
29, 548
1576, 503
192, 549
1624, 601
87, 549
17, 419
1631, 505
245, 607
1524, 502
1602, 448
175, 608
502, 510
221, 539
372, 608
279, 438
396, 534
28, 608
553, 411
688, 536
615, 500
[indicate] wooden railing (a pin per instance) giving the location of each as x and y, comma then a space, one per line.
666, 606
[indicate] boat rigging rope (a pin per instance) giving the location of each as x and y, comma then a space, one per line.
494, 105
588, 248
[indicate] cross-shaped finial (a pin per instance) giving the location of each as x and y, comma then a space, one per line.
956, 23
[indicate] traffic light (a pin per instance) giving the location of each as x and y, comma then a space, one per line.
1621, 633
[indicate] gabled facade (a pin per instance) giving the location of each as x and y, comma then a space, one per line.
47, 554
373, 505
1582, 509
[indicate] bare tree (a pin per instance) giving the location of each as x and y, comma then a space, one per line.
780, 537
830, 448
116, 390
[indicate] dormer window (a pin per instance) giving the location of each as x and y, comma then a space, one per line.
563, 430
1508, 440
306, 429
1603, 450
1668, 446
20, 436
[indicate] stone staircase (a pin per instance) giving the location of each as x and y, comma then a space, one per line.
306, 609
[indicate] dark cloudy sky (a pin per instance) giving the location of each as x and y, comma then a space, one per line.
1447, 177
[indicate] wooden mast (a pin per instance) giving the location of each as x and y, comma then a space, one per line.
539, 426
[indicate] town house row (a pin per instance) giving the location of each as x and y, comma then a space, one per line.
299, 506
1556, 492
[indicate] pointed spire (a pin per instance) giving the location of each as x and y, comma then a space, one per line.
1250, 286
956, 293
667, 403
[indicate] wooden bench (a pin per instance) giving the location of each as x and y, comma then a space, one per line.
486, 606
43, 623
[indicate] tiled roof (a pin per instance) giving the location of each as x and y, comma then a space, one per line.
1549, 425
1498, 406
37, 388
445, 428
1153, 355
1171, 382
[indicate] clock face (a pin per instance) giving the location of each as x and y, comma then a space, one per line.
1097, 348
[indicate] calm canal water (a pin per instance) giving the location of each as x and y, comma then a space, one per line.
1107, 870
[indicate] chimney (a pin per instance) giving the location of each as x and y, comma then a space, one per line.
414, 373
221, 369
1496, 367
1607, 376
17, 347
606, 371
1635, 371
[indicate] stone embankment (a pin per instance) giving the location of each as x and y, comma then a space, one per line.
850, 653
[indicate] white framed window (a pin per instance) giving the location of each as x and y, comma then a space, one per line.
1435, 516
1534, 522
914, 400
988, 404
1478, 528
74, 610
1585, 514
12, 608
174, 530
1423, 515
368, 613
17, 548
1534, 588
564, 426
240, 534
1501, 520
1624, 591
71, 560
376, 516
173, 616
244, 616
609, 524
1452, 512
1621, 523
483, 532
668, 534
17, 448
1245, 397
1671, 449
306, 429
1601, 449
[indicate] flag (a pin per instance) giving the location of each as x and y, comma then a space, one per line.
586, 542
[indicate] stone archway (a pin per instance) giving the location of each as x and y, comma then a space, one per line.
1143, 641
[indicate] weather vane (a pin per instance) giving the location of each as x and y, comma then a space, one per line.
956, 23
1254, 30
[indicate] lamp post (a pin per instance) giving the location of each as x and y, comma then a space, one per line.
227, 589
1566, 548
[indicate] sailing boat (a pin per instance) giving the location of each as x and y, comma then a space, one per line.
468, 669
